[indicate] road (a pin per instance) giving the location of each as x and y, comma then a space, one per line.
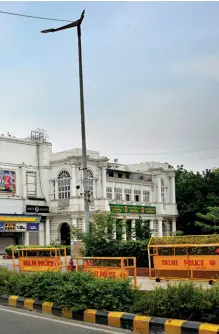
26, 322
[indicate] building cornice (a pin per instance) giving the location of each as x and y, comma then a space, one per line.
22, 141
128, 181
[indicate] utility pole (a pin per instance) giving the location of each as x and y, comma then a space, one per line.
83, 132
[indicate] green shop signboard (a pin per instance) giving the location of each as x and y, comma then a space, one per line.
135, 209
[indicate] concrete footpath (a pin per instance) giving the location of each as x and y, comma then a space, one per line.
144, 283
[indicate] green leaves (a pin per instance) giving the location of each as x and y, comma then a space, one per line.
8, 249
180, 301
195, 192
210, 221
100, 242
75, 290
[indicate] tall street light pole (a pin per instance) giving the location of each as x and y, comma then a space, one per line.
83, 133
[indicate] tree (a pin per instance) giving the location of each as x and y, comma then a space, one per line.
195, 192
102, 234
209, 222
142, 229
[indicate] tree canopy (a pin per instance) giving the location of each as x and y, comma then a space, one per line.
195, 193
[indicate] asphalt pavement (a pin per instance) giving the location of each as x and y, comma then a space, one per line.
26, 322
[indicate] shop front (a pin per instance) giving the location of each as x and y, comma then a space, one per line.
18, 229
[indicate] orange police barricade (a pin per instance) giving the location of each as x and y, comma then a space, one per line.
35, 259
109, 267
184, 258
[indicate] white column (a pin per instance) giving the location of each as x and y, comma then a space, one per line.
151, 195
132, 196
141, 196
159, 189
26, 238
113, 191
94, 189
123, 194
56, 190
73, 181
24, 182
47, 231
104, 182
98, 192
173, 199
173, 226
114, 231
151, 226
168, 197
41, 235
133, 231
74, 223
160, 228
124, 237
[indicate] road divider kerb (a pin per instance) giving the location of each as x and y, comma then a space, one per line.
136, 323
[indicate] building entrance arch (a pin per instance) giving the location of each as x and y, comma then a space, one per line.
65, 234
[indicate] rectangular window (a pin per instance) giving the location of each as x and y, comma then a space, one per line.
109, 193
146, 196
118, 193
31, 183
127, 198
128, 194
137, 195
64, 188
119, 175
110, 173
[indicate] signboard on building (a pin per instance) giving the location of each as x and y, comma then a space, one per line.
40, 263
7, 181
21, 227
32, 227
19, 223
134, 209
37, 209
193, 262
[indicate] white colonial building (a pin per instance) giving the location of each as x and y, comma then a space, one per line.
41, 193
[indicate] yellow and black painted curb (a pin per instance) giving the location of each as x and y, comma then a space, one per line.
135, 323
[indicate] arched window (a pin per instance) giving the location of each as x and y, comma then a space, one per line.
64, 184
162, 190
90, 181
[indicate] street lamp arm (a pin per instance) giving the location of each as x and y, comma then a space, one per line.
67, 26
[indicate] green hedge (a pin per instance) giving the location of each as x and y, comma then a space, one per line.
75, 290
116, 248
79, 291
182, 301
187, 239
8, 250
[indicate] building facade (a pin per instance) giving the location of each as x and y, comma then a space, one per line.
45, 189
24, 173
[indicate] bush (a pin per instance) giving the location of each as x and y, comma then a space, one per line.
182, 301
75, 290
116, 248
101, 243
8, 250
5, 276
78, 291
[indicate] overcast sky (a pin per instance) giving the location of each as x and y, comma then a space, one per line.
151, 79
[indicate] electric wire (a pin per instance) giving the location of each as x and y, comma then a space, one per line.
34, 17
